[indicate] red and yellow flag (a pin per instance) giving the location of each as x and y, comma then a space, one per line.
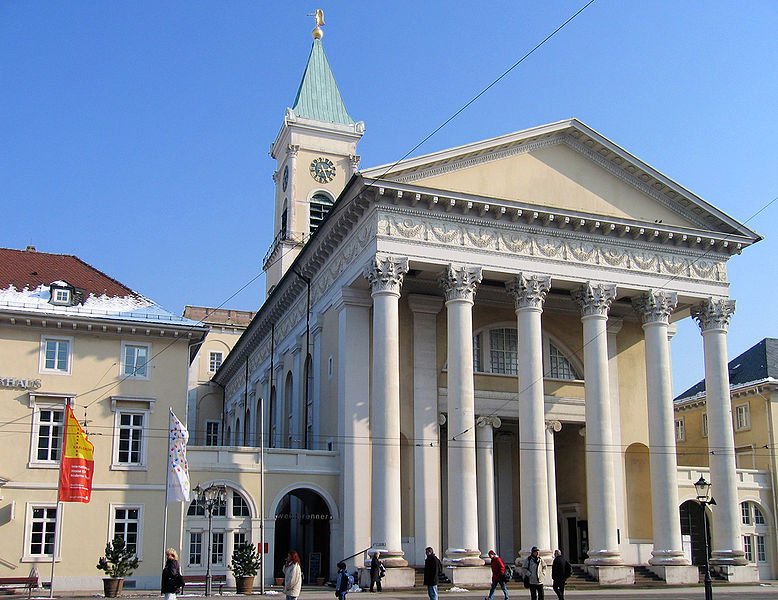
78, 466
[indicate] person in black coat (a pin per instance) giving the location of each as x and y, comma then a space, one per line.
172, 581
376, 571
560, 571
433, 569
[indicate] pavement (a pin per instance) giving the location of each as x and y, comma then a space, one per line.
760, 591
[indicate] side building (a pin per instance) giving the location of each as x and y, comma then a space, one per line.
753, 413
72, 335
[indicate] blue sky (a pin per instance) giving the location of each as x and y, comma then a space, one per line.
136, 134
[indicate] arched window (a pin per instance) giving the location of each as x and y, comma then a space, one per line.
284, 221
559, 367
320, 206
246, 432
238, 440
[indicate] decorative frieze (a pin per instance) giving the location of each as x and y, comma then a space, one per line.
565, 246
655, 306
460, 282
529, 291
714, 313
595, 299
385, 273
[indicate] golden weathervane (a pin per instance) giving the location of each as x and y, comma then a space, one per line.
319, 16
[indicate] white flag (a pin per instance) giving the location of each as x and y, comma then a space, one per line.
178, 485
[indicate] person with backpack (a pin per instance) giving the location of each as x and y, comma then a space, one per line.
343, 581
498, 575
433, 569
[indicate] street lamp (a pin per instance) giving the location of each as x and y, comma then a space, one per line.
704, 498
210, 498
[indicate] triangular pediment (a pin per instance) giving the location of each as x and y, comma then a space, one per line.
564, 166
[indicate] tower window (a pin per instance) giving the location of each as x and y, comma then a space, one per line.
320, 206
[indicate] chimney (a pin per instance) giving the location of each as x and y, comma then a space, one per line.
30, 249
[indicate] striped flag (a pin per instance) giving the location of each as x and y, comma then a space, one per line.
178, 485
77, 463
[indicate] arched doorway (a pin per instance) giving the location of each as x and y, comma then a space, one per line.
303, 524
692, 524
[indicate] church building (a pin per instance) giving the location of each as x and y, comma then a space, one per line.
470, 350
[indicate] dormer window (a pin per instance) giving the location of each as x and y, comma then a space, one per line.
60, 296
64, 294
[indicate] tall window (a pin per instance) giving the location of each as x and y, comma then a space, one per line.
742, 417
680, 430
55, 354
50, 423
477, 366
126, 525
705, 424
755, 530
748, 547
130, 438
42, 532
320, 204
503, 351
217, 548
215, 361
239, 506
271, 419
289, 406
212, 433
135, 358
309, 441
195, 548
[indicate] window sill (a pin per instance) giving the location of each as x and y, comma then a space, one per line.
43, 465
121, 467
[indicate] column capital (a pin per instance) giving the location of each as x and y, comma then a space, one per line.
595, 299
489, 421
292, 150
529, 290
354, 160
460, 282
386, 273
655, 306
713, 313
553, 426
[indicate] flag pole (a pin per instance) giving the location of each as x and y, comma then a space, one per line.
167, 485
59, 504
262, 494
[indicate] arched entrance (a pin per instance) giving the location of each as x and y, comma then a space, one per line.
303, 524
692, 524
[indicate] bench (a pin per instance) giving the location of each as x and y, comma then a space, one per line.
199, 580
28, 583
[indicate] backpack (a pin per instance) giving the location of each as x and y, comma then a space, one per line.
349, 580
508, 573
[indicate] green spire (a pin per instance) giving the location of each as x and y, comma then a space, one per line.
318, 97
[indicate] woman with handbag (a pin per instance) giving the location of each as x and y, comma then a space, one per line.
172, 581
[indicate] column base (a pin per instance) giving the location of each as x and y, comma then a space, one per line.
462, 557
677, 574
738, 573
469, 576
668, 558
391, 558
604, 558
728, 557
401, 578
612, 575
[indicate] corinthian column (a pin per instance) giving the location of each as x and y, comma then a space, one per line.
459, 284
595, 300
487, 522
713, 318
529, 292
385, 274
655, 309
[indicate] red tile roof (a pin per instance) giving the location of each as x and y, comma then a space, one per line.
29, 268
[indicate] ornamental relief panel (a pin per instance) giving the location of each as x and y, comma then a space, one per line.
341, 260
527, 244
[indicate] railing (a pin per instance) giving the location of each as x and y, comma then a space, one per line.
283, 236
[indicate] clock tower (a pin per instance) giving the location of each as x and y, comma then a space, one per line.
316, 155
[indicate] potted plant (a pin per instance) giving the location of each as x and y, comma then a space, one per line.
118, 562
244, 565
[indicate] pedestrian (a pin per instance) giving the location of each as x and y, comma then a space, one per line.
560, 571
343, 582
377, 571
433, 569
172, 581
534, 568
498, 575
293, 575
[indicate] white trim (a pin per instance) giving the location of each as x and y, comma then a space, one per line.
29, 507
746, 426
119, 410
42, 359
134, 376
56, 402
112, 507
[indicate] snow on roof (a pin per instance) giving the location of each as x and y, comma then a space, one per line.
125, 308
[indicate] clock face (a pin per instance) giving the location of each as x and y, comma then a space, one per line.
285, 181
322, 170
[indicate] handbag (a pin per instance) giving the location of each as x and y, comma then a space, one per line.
526, 581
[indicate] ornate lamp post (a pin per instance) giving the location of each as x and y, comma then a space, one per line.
704, 498
210, 498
